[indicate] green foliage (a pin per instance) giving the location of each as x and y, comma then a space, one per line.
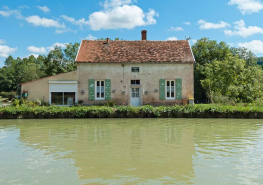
103, 111
208, 51
243, 53
234, 79
8, 95
61, 60
110, 103
19, 70
216, 97
260, 61
2, 99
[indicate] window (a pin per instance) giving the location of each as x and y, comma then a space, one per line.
136, 69
62, 98
135, 92
135, 82
170, 89
100, 90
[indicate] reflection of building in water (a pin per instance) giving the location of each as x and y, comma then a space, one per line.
100, 150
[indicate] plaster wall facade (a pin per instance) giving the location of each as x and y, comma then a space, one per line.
121, 76
39, 89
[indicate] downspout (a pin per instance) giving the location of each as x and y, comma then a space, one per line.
123, 65
193, 68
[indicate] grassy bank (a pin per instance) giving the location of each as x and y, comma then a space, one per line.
177, 111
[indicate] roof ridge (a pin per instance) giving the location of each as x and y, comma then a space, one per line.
135, 40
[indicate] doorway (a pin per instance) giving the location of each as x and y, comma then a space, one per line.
135, 97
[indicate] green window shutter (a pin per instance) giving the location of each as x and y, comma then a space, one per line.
107, 89
91, 89
178, 83
162, 89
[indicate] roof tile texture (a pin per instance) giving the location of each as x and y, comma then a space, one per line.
135, 52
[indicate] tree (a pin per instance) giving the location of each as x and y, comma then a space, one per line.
19, 70
234, 79
61, 61
206, 51
260, 60
245, 54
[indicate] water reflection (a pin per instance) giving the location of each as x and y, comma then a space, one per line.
140, 151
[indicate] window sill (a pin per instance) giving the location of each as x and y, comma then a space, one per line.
135, 86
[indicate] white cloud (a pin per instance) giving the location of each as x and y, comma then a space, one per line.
44, 50
5, 51
60, 31
38, 21
90, 37
126, 16
2, 41
43, 8
187, 23
256, 46
22, 7
113, 3
243, 31
35, 55
175, 29
247, 6
6, 12
194, 41
172, 38
208, 25
80, 22
116, 14
36, 49
58, 44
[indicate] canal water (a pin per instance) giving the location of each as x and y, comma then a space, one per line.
131, 151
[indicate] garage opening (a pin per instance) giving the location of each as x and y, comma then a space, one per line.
63, 98
63, 92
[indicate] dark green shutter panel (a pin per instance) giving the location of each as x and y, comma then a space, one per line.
162, 89
91, 89
108, 89
178, 89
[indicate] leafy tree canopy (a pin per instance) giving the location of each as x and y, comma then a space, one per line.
232, 77
19, 70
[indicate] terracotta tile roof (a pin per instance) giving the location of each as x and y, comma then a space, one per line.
135, 52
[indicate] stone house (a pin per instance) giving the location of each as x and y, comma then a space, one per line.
126, 72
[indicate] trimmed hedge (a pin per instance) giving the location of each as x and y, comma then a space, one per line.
177, 111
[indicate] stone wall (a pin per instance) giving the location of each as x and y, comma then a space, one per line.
39, 89
149, 75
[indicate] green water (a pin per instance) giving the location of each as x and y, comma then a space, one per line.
131, 151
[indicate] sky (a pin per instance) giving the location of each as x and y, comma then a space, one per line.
34, 27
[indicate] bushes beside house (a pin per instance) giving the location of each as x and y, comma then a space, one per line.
177, 111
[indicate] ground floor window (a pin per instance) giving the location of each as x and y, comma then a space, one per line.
63, 98
100, 87
170, 89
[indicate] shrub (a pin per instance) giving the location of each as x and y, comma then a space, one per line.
110, 103
216, 97
8, 95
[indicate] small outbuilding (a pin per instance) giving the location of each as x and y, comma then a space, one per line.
126, 72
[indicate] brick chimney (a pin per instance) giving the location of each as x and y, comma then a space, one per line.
144, 34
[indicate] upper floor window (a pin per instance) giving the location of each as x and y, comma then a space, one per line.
135, 82
135, 69
170, 89
100, 90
